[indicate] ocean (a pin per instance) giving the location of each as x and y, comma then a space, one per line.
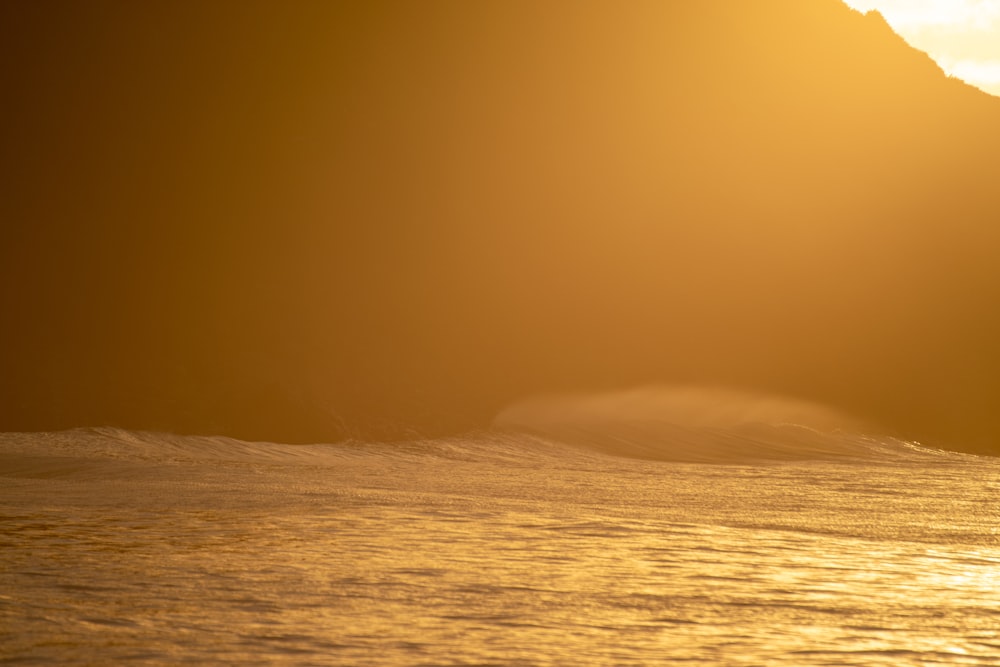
539, 541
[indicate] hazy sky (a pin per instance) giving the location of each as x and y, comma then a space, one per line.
312, 220
963, 36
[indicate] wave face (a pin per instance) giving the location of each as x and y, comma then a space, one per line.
698, 424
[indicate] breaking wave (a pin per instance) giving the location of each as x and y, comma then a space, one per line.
698, 424
674, 424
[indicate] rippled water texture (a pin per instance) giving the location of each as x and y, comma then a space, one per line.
498, 549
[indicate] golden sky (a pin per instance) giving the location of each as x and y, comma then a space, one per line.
963, 36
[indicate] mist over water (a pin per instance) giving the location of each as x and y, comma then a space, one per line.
692, 424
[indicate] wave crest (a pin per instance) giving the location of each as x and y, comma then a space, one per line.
696, 424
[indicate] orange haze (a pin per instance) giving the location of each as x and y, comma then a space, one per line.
310, 220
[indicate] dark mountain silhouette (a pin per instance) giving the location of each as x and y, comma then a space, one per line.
377, 219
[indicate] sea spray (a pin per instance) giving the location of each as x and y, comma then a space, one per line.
689, 423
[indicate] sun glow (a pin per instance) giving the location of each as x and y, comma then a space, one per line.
963, 36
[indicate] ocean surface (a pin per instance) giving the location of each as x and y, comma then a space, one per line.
542, 541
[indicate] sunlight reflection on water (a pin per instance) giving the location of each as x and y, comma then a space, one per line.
373, 559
